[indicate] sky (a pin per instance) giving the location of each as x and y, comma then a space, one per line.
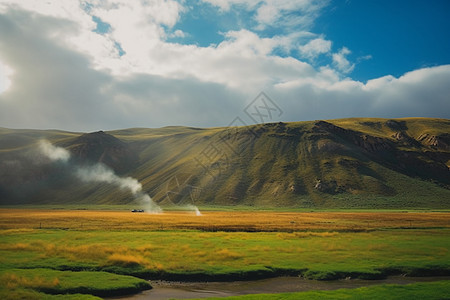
92, 65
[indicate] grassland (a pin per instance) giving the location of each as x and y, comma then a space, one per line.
220, 220
49, 252
42, 282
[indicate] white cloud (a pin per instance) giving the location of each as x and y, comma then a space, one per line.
67, 76
315, 47
178, 34
277, 13
365, 57
377, 83
242, 59
225, 5
341, 62
421, 93
65, 9
137, 26
267, 14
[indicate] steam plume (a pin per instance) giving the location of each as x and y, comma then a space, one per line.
101, 173
149, 205
196, 210
52, 152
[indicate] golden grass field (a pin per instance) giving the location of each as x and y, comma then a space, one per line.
219, 221
97, 247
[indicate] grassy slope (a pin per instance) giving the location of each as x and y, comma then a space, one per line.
271, 165
278, 170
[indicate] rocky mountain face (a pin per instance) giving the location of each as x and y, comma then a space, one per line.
362, 163
400, 152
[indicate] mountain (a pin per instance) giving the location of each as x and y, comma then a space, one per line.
344, 163
100, 147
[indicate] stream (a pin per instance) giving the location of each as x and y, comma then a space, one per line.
183, 290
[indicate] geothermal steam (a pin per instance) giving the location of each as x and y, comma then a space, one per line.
52, 152
195, 209
101, 173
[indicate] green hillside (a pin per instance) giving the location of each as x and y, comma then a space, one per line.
345, 163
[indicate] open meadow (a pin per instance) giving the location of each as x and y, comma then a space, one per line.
246, 221
45, 253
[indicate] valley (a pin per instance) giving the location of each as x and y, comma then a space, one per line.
108, 214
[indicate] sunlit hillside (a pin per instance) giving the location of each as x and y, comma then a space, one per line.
344, 163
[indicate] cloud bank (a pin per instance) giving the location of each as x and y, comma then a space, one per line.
93, 65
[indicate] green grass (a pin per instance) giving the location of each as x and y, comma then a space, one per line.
41, 263
185, 254
28, 294
432, 290
67, 282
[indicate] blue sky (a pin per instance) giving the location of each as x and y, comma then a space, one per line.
89, 65
400, 36
386, 37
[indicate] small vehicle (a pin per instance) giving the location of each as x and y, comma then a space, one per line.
137, 210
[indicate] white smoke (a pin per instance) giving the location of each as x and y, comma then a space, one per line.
149, 205
52, 152
195, 209
101, 173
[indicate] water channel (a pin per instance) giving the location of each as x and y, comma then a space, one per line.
183, 290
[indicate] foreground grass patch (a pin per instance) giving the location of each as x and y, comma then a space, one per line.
28, 294
432, 290
67, 282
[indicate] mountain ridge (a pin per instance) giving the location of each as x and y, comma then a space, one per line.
357, 162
